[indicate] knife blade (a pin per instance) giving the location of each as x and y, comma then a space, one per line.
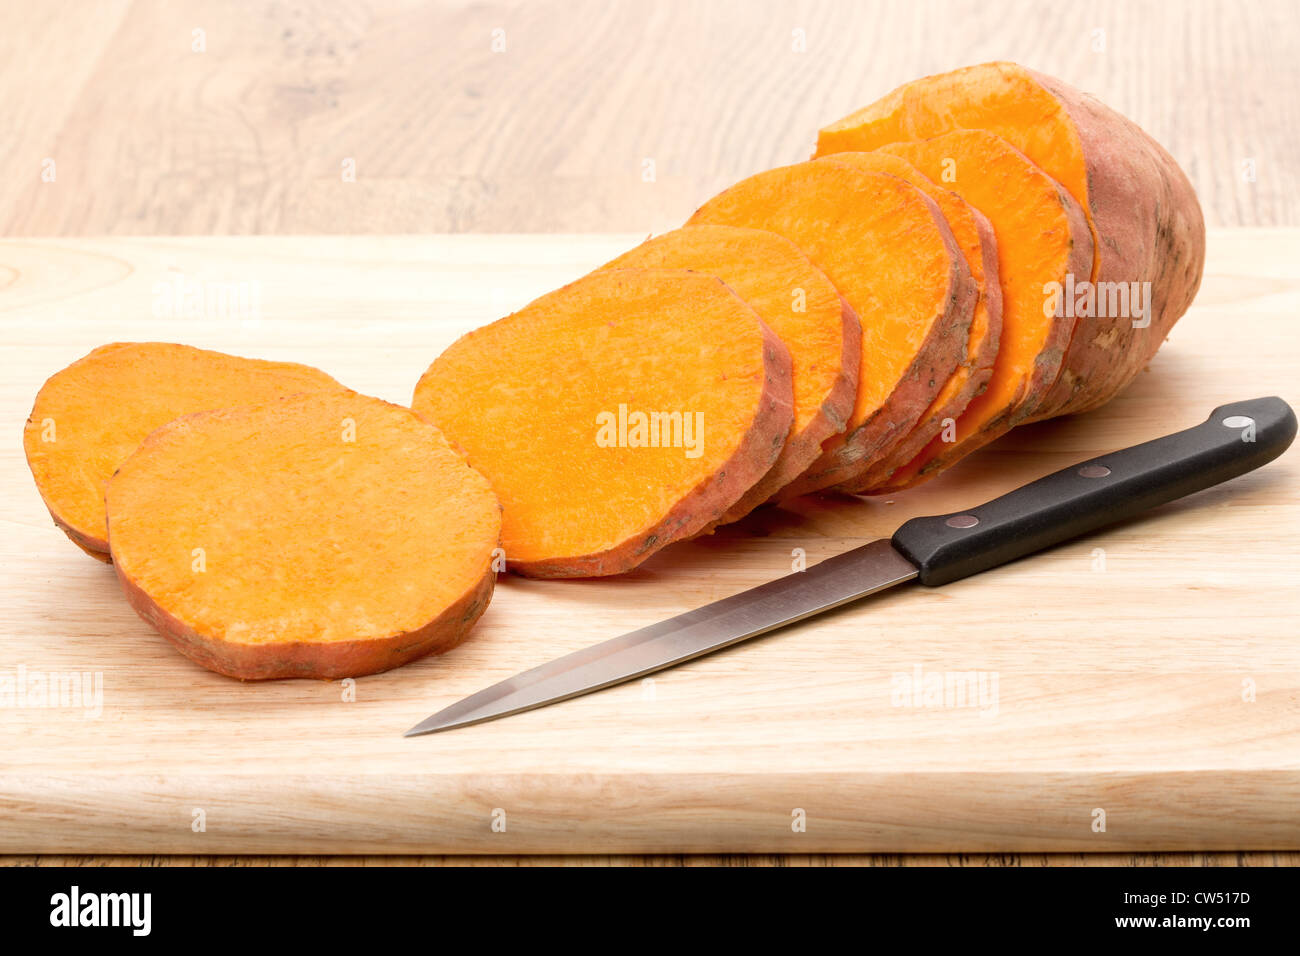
933, 550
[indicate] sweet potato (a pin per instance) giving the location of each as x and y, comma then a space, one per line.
1042, 237
627, 410
888, 250
801, 306
91, 415
1145, 221
978, 244
322, 535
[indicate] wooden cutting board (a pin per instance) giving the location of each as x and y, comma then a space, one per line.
1141, 687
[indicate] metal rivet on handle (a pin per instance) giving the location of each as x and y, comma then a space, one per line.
1238, 421
962, 521
1094, 471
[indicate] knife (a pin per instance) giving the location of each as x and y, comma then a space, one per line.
935, 550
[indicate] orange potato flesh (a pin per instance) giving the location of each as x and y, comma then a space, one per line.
1143, 216
999, 98
543, 401
801, 305
976, 239
89, 417
1041, 238
885, 246
321, 535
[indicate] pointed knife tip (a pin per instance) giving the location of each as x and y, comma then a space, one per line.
422, 728
423, 731
434, 725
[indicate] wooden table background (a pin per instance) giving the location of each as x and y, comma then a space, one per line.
554, 132
395, 116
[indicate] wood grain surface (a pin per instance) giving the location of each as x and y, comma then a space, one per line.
568, 115
749, 859
1150, 671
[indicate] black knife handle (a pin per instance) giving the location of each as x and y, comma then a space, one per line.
1235, 439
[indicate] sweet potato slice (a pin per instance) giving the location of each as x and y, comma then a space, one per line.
800, 305
623, 412
91, 415
888, 250
1145, 221
323, 535
978, 244
1042, 237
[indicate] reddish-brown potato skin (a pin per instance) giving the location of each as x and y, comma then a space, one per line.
1047, 368
97, 548
981, 367
831, 420
709, 501
938, 357
321, 661
1150, 228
